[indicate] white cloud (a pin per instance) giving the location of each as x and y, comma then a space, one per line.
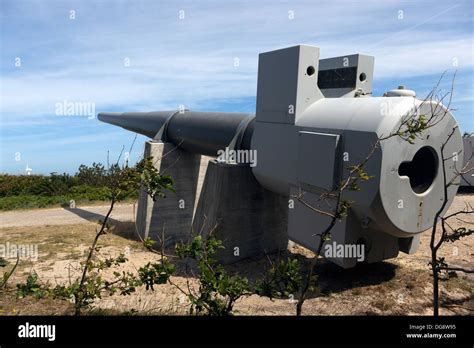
180, 61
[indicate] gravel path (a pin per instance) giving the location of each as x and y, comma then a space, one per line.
62, 216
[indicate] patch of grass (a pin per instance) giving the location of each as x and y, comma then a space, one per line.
458, 283
10, 304
385, 304
32, 201
38, 201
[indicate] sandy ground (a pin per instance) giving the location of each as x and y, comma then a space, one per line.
400, 286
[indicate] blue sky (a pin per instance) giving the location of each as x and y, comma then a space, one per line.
190, 61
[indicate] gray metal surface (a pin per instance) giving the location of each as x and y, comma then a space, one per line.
309, 171
197, 132
281, 92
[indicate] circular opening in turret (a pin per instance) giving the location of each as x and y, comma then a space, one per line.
421, 170
310, 70
362, 77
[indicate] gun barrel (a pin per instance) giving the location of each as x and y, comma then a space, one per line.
198, 132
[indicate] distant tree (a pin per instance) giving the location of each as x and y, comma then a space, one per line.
94, 175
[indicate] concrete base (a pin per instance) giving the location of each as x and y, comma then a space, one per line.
249, 219
173, 214
211, 196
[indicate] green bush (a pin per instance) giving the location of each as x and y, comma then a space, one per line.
218, 290
31, 201
89, 184
283, 281
90, 193
32, 288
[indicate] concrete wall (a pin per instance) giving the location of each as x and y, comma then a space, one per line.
174, 213
249, 219
219, 197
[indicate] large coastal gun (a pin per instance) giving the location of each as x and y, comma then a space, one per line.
314, 120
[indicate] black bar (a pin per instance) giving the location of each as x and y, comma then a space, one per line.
136, 330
